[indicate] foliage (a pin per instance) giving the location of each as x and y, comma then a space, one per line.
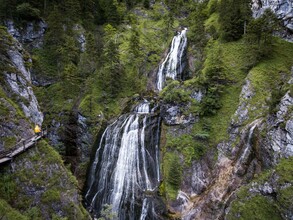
196, 20
7, 212
192, 146
173, 174
233, 16
111, 74
214, 79
258, 206
107, 214
173, 93
26, 11
259, 37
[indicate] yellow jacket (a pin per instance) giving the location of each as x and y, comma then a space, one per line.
37, 129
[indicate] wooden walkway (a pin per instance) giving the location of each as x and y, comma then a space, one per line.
7, 155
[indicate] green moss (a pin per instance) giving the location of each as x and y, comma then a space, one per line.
212, 21
51, 196
285, 199
9, 213
269, 75
9, 142
191, 147
257, 208
173, 93
285, 171
8, 187
42, 169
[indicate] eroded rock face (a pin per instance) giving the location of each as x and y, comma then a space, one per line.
282, 8
21, 108
31, 34
19, 82
260, 144
278, 142
173, 115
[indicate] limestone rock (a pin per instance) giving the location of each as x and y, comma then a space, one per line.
19, 82
173, 115
32, 33
282, 8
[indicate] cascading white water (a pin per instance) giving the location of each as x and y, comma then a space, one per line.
143, 107
126, 166
125, 173
172, 66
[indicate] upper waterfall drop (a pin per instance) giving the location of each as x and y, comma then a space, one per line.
173, 64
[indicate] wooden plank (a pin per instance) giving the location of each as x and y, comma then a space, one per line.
20, 147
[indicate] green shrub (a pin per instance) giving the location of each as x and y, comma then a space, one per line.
173, 93
26, 11
8, 213
256, 208
51, 196
191, 146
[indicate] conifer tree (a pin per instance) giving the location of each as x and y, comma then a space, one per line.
112, 71
234, 15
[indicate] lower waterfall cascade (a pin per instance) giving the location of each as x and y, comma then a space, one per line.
125, 171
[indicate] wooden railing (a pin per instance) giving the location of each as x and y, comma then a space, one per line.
20, 147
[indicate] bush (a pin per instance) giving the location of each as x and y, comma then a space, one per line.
174, 172
26, 11
174, 94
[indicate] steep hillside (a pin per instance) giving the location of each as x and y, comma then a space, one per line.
160, 109
36, 184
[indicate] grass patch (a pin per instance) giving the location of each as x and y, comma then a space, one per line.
269, 75
234, 62
7, 212
258, 206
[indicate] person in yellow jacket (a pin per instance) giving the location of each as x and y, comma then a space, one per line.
37, 130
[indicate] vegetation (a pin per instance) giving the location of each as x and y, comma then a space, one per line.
258, 206
173, 174
124, 41
41, 170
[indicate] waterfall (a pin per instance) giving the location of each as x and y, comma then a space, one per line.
125, 170
173, 66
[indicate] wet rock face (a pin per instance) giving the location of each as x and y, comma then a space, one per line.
31, 34
173, 115
241, 113
84, 137
282, 8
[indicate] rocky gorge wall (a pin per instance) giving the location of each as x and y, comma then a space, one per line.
17, 95
36, 184
283, 10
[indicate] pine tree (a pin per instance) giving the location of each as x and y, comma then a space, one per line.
174, 172
197, 25
54, 38
234, 15
112, 71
